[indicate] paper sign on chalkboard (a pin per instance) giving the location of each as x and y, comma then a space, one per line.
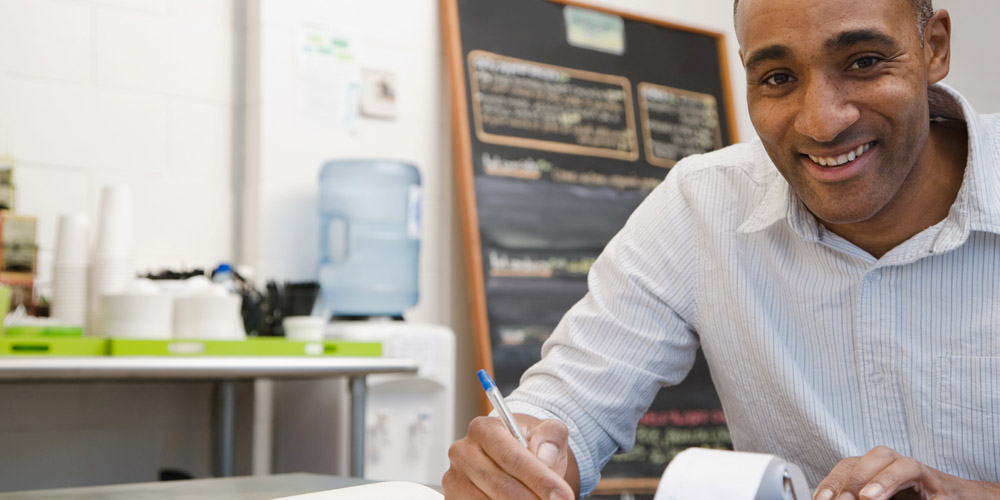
590, 29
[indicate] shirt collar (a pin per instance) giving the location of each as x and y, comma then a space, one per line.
977, 206
779, 202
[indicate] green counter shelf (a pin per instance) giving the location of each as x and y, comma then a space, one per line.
53, 346
262, 346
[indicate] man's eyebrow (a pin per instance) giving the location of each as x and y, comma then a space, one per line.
769, 53
848, 39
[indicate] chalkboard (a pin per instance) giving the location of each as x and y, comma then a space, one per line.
565, 117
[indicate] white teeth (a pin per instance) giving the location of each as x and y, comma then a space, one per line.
830, 161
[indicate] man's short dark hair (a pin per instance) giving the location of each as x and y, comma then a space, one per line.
924, 9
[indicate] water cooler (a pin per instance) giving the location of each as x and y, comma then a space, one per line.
410, 419
370, 214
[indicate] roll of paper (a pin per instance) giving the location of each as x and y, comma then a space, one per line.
699, 473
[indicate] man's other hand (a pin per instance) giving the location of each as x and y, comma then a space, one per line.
882, 473
490, 463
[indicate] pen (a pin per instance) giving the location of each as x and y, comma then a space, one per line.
494, 394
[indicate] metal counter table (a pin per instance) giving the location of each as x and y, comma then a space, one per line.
224, 371
233, 488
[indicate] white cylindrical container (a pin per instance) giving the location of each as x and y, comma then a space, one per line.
136, 315
208, 316
304, 328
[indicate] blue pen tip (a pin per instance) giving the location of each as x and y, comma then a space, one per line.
484, 378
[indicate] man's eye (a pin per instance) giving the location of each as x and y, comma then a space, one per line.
778, 79
864, 62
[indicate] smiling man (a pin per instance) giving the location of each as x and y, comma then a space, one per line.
841, 273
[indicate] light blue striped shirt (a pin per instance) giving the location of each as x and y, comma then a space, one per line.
818, 350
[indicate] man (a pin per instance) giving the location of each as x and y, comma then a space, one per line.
842, 275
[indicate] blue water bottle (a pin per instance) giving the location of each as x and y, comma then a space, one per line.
369, 237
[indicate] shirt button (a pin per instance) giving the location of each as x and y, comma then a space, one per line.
875, 276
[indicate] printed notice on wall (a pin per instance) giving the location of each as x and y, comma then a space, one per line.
526, 104
328, 74
677, 123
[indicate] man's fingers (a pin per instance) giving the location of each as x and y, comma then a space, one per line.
878, 475
458, 486
549, 441
516, 461
903, 473
831, 486
473, 474
490, 463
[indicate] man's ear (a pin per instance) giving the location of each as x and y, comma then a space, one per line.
937, 46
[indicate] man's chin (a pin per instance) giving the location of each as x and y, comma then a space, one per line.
841, 215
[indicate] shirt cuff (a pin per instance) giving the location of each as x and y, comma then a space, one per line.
589, 475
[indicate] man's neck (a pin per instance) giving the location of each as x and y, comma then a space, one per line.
931, 197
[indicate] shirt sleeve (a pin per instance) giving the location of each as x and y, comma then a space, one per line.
632, 334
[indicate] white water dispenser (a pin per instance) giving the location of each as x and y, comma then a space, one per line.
410, 419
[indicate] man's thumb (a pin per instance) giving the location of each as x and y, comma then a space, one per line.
549, 442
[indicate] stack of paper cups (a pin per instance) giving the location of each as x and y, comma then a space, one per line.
69, 281
112, 267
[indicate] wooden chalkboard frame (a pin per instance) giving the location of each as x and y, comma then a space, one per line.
463, 160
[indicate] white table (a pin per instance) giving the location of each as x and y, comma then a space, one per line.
232, 488
223, 371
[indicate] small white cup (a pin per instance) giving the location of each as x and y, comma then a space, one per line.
72, 241
304, 328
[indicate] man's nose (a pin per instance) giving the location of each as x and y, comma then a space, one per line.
826, 110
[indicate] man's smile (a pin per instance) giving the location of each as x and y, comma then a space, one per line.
837, 160
833, 167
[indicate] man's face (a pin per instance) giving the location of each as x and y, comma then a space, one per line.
837, 91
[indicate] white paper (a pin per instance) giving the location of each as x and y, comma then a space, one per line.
328, 75
698, 473
374, 491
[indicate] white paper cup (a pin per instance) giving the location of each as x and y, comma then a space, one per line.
304, 328
71, 241
114, 237
116, 198
69, 294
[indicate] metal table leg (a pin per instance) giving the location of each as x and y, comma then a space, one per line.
225, 402
358, 394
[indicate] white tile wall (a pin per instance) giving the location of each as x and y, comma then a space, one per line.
137, 92
147, 6
5, 114
46, 39
139, 51
214, 12
198, 135
54, 124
